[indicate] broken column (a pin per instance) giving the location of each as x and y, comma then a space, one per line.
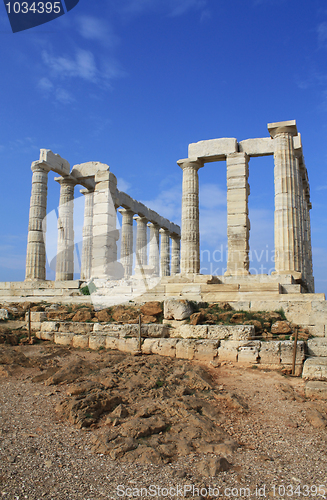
141, 243
175, 254
164, 253
126, 248
36, 257
190, 237
86, 264
238, 224
154, 248
286, 226
65, 247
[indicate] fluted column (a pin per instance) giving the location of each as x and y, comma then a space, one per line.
126, 248
175, 254
286, 217
154, 248
308, 247
141, 243
238, 224
190, 238
35, 255
86, 265
65, 247
164, 253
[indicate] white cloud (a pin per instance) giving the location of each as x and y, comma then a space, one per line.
93, 28
167, 204
322, 33
83, 65
123, 185
212, 195
45, 84
171, 7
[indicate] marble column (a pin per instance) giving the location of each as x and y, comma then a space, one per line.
190, 238
141, 243
175, 254
35, 255
126, 248
238, 224
65, 247
86, 265
105, 234
154, 248
286, 216
164, 253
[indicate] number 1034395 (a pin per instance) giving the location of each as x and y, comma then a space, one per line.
35, 8
300, 490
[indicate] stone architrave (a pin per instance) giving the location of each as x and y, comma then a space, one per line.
190, 237
286, 217
105, 234
154, 248
65, 247
86, 265
141, 243
238, 224
35, 257
175, 254
126, 248
164, 253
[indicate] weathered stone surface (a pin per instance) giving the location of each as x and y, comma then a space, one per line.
177, 309
315, 369
50, 326
63, 338
316, 390
213, 466
248, 354
316, 419
281, 328
45, 336
82, 315
193, 332
102, 316
270, 352
4, 314
97, 341
286, 352
232, 332
185, 349
317, 347
206, 350
75, 327
81, 341
213, 149
196, 318
36, 316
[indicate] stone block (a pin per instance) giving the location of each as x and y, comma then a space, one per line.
149, 345
270, 353
111, 343
165, 347
127, 345
97, 341
318, 330
237, 170
286, 352
232, 332
316, 390
237, 220
81, 341
257, 147
318, 312
298, 312
155, 331
177, 309
315, 369
237, 207
193, 331
206, 350
37, 316
4, 314
109, 328
75, 327
50, 326
185, 349
228, 350
63, 338
173, 324
317, 347
237, 183
213, 149
45, 335
248, 354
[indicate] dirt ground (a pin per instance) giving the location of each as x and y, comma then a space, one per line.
78, 424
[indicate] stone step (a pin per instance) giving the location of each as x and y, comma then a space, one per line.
316, 390
317, 347
315, 369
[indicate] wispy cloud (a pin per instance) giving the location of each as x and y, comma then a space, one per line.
322, 34
170, 7
96, 29
83, 65
123, 185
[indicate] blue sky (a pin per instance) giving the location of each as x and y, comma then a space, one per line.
131, 83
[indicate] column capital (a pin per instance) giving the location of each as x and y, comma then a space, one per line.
125, 211
153, 224
66, 181
194, 163
39, 166
288, 127
164, 231
140, 218
86, 191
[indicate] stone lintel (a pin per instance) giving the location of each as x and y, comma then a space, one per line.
55, 162
280, 127
257, 147
213, 149
88, 169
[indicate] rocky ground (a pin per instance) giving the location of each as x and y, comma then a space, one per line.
90, 425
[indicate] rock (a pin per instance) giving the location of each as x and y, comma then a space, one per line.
124, 314
143, 427
4, 315
103, 316
177, 309
212, 466
71, 373
151, 309
238, 318
148, 319
257, 325
196, 318
315, 418
143, 455
281, 328
120, 412
82, 315
224, 316
316, 390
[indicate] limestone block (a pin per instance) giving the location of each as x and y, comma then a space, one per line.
37, 316
268, 305
228, 350
185, 349
75, 327
88, 169
174, 324
127, 345
81, 341
318, 330
45, 336
213, 149
237, 170
63, 338
97, 341
237, 220
109, 328
232, 332
248, 354
270, 353
149, 346
177, 309
55, 162
206, 350
286, 352
316, 390
257, 147
318, 312
235, 195
317, 347
237, 207
193, 331
4, 314
155, 331
298, 312
50, 326
130, 331
238, 183
111, 343
315, 369
165, 347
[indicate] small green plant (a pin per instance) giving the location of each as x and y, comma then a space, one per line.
282, 313
159, 383
85, 290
